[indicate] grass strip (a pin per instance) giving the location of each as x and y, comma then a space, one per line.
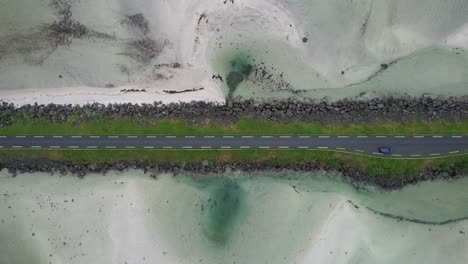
374, 166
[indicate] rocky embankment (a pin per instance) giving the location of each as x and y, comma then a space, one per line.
341, 112
354, 176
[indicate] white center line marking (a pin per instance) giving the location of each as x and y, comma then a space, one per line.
208, 136
437, 136
247, 136
20, 136
17, 146
456, 136
170, 136
324, 136
228, 137
206, 147
400, 136
285, 136
76, 137
150, 136
91, 147
362, 136
186, 147
283, 147
264, 147
303, 147
453, 152
418, 136
381, 136
343, 136
57, 136
304, 136
36, 147
189, 136
38, 136
266, 136
2, 136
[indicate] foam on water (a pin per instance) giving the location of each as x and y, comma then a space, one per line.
282, 218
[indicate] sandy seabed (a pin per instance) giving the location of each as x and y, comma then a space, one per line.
306, 49
132, 218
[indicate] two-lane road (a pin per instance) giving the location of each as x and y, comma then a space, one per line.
401, 145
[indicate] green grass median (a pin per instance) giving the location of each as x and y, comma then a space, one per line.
242, 127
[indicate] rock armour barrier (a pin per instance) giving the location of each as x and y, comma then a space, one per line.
341, 112
353, 176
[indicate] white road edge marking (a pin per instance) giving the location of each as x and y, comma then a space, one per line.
2, 136
132, 136
322, 147
36, 147
362, 136
400, 136
72, 146
304, 136
266, 137
187, 147
285, 147
381, 136
285, 136
38, 136
303, 147
20, 136
94, 137
228, 136
264, 147
324, 136
17, 147
92, 147
343, 136
208, 137
456, 136
113, 136
454, 152
189, 136
341, 148
150, 136
437, 136
247, 136
170, 137
418, 136
57, 136
54, 146
377, 153
434, 154
75, 136
206, 147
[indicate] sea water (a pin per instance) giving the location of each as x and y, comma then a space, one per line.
130, 217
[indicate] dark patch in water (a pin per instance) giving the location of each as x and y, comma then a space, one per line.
223, 209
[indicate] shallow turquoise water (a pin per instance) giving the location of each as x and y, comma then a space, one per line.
283, 218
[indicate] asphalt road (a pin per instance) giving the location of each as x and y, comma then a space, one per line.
401, 145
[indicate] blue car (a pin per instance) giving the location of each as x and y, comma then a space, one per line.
385, 150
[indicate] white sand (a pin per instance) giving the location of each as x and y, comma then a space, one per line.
355, 37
